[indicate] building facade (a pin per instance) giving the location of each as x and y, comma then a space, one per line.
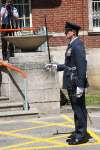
86, 13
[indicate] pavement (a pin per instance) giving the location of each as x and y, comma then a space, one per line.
46, 132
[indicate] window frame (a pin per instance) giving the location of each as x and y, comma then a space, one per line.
30, 13
91, 27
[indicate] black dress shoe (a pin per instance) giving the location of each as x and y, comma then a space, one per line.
72, 135
76, 141
69, 138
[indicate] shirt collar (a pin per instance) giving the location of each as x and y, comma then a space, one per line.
73, 39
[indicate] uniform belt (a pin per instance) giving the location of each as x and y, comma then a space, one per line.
71, 68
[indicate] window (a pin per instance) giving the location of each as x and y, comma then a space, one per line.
24, 10
96, 15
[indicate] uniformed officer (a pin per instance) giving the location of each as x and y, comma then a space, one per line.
74, 80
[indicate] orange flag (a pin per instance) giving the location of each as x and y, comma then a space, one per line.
11, 67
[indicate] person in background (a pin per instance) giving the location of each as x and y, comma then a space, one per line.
74, 80
8, 15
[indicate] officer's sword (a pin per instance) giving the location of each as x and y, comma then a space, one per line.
47, 39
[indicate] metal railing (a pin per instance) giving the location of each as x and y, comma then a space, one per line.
22, 23
21, 90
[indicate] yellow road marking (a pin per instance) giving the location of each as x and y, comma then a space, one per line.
16, 145
17, 135
96, 137
20, 136
53, 146
43, 147
67, 118
48, 124
27, 143
52, 140
32, 138
26, 129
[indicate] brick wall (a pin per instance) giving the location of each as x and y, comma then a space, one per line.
66, 11
60, 11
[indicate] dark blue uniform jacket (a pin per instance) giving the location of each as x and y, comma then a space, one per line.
74, 57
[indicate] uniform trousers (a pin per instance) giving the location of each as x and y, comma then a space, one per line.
80, 112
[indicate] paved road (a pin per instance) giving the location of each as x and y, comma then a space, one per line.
49, 132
